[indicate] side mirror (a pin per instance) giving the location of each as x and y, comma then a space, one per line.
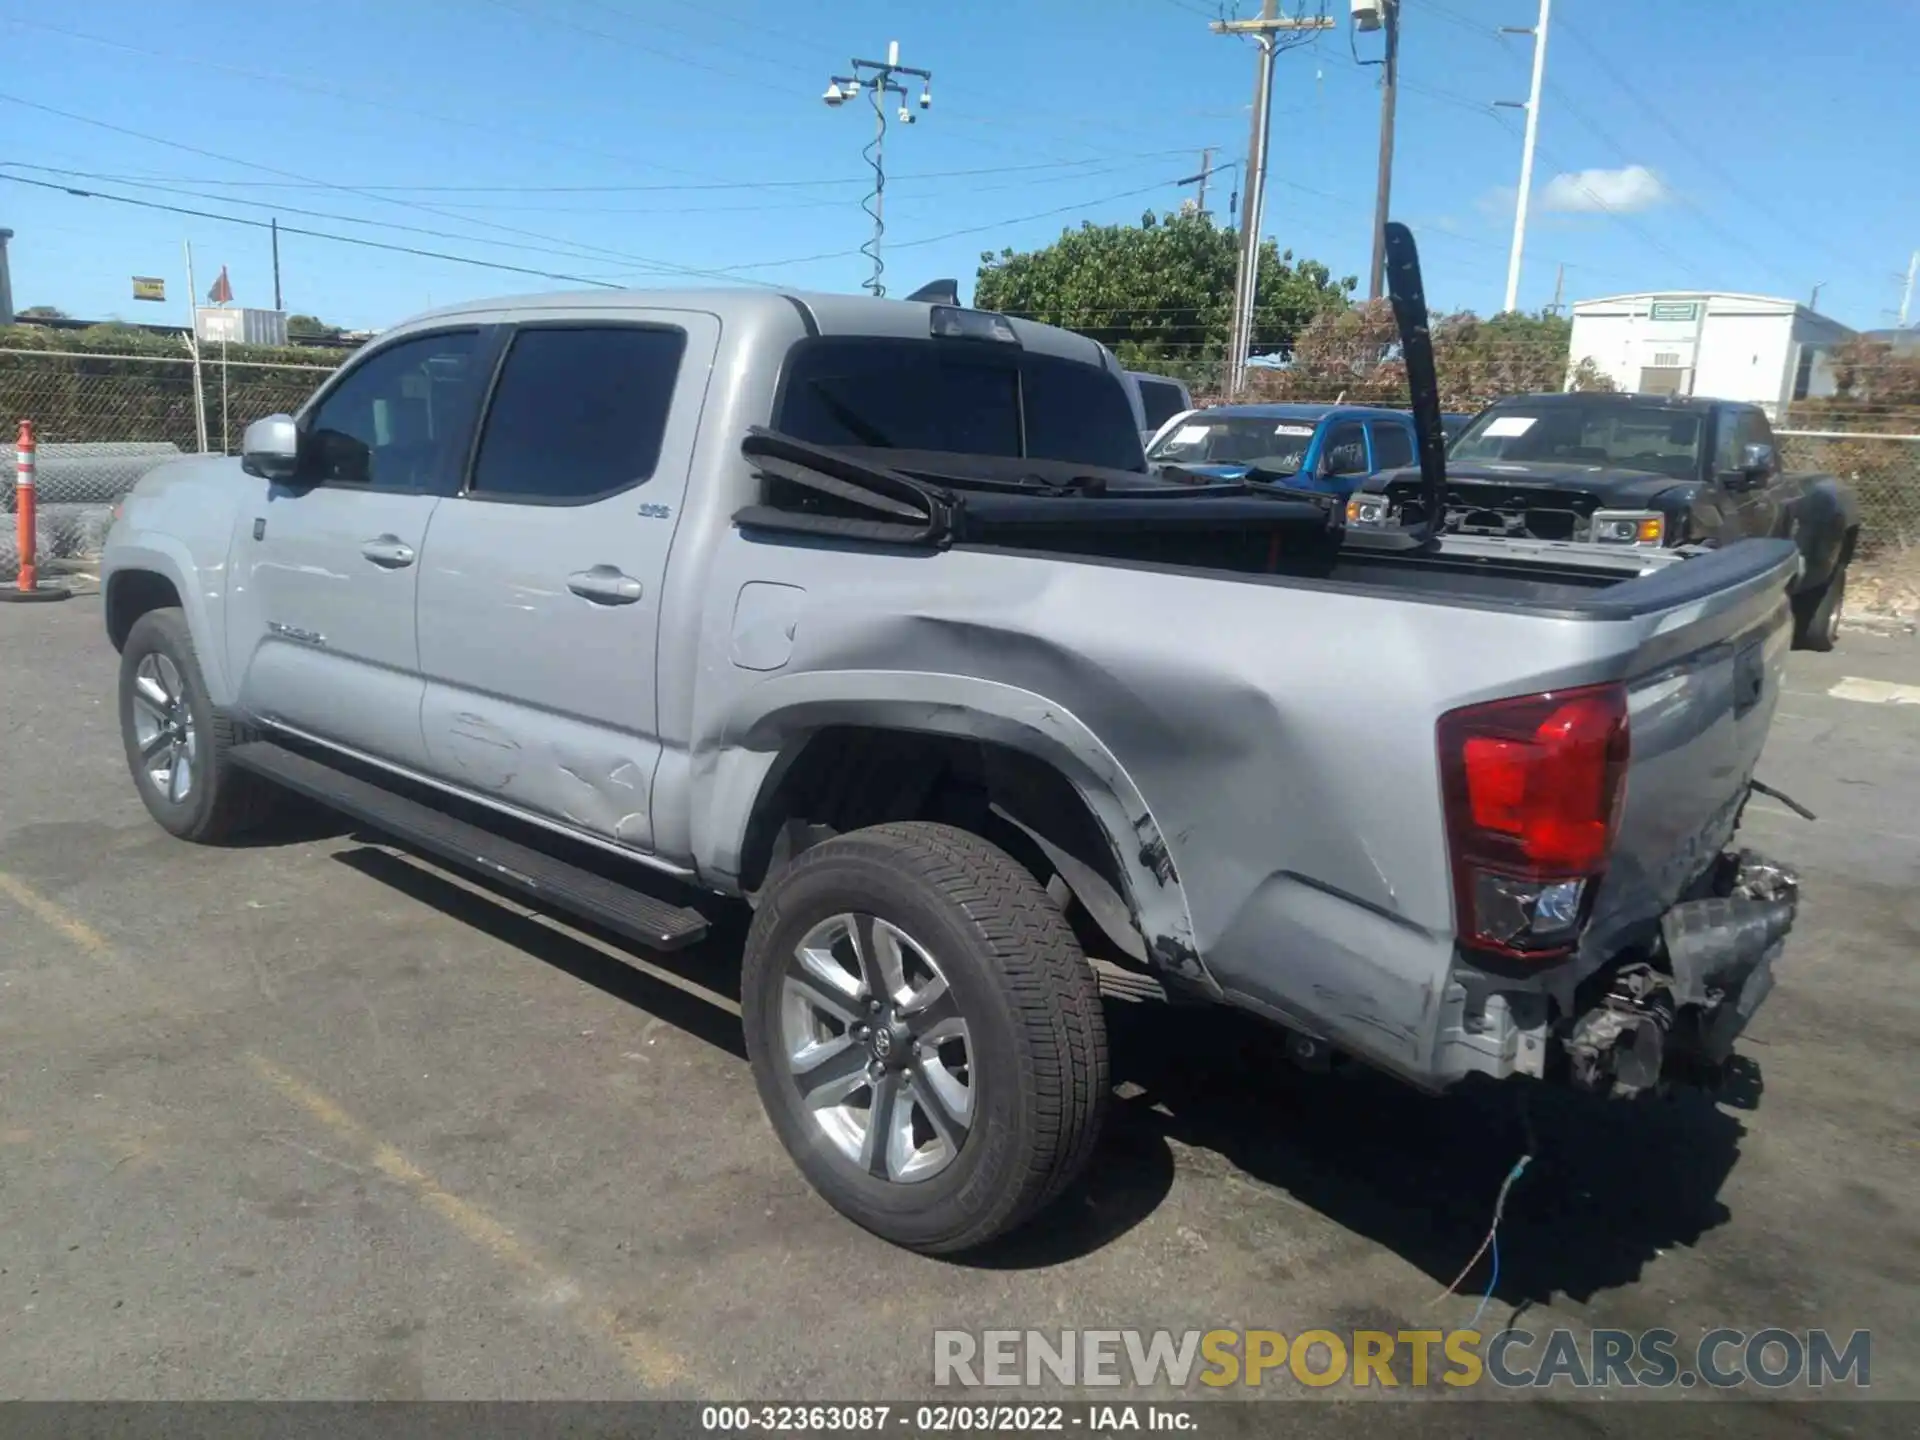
271, 448
1756, 459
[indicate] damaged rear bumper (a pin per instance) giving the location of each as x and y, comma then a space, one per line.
1674, 1015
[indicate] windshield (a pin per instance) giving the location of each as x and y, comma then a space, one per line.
963, 397
1654, 438
1264, 443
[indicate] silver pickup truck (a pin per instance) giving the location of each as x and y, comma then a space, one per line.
868, 613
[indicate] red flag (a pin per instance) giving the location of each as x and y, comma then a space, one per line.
222, 290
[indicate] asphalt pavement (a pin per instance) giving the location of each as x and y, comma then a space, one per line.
311, 1118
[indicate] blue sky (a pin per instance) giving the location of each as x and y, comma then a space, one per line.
1765, 153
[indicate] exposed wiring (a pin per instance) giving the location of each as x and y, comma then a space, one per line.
1492, 1280
1492, 1240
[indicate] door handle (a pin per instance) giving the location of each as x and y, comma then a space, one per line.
604, 585
389, 552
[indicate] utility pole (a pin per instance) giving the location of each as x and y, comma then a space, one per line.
1383, 187
276, 264
1559, 287
1813, 300
1539, 33
1206, 173
1266, 32
1906, 295
878, 78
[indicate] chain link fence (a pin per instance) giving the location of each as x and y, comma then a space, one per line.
104, 420
101, 421
1884, 471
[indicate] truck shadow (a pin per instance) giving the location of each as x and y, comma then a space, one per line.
1610, 1185
644, 981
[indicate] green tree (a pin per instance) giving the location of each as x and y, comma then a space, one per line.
1875, 387
309, 327
42, 312
1354, 355
1159, 293
1510, 354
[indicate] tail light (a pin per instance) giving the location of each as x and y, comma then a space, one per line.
1532, 788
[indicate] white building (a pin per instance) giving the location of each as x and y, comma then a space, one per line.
1732, 347
238, 326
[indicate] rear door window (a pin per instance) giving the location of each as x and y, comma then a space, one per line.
972, 399
1162, 401
1075, 412
578, 413
1392, 446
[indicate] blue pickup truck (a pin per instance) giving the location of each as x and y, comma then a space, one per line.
1328, 448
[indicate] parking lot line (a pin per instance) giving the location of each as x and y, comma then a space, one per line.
644, 1355
1875, 692
650, 1361
55, 917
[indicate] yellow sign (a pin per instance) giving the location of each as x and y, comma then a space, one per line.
145, 287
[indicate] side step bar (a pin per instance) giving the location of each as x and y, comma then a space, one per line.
639, 917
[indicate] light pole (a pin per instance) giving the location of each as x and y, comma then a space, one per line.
1539, 33
877, 78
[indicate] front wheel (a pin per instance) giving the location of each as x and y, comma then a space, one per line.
925, 1032
177, 742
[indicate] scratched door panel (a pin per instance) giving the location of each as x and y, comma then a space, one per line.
328, 632
541, 585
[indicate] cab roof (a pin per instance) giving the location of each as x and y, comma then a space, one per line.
828, 314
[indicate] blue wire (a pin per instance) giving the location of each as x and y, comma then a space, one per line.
1492, 1280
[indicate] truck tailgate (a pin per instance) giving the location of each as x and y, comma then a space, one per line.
1698, 720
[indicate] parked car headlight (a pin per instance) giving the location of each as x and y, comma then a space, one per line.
1363, 509
1629, 527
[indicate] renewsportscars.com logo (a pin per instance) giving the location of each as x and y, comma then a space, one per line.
1772, 1358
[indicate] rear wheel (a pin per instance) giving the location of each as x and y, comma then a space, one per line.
1816, 614
177, 743
925, 1032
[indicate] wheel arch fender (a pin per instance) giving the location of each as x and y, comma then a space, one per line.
741, 769
128, 586
1825, 518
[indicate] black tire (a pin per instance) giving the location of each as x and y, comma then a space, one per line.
1036, 1049
220, 800
1816, 613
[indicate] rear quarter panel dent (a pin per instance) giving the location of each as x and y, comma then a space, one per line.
775, 717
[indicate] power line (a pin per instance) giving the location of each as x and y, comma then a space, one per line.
314, 234
296, 82
1686, 142
1086, 169
293, 82
280, 209
1707, 222
659, 265
561, 22
969, 230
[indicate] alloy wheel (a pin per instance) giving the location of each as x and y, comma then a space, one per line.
163, 726
877, 1045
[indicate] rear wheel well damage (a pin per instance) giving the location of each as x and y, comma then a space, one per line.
847, 777
131, 594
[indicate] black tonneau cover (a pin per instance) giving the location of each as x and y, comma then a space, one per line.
934, 499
